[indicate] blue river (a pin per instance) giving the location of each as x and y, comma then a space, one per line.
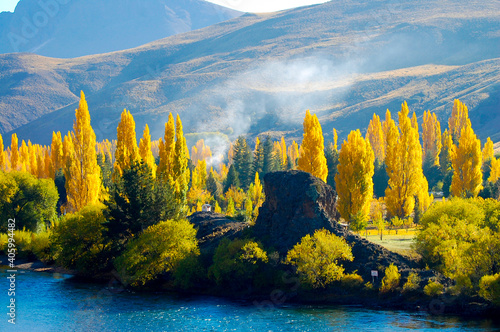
55, 302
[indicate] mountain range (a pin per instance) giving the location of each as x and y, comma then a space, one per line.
258, 73
73, 28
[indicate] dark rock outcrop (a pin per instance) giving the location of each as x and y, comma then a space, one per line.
213, 227
297, 204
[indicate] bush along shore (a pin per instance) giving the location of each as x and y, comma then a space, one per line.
296, 251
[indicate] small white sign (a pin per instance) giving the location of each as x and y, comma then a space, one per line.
374, 273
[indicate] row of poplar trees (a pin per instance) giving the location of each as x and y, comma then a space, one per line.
395, 149
456, 153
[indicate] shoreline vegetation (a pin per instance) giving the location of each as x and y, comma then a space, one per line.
283, 220
276, 298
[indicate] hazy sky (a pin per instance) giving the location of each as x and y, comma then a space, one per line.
242, 5
264, 5
8, 5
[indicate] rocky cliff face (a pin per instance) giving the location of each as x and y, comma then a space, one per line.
297, 204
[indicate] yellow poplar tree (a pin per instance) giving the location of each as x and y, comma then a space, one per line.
200, 151
466, 159
458, 119
33, 159
312, 158
354, 179
335, 139
447, 146
198, 195
375, 135
48, 167
105, 148
230, 211
284, 160
84, 183
495, 170
2, 154
488, 152
14, 152
431, 137
279, 150
126, 152
404, 167
167, 149
256, 194
24, 157
67, 161
56, 153
181, 173
145, 151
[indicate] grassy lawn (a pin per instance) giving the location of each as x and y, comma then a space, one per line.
400, 243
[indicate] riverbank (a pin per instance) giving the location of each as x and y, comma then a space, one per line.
49, 302
34, 265
444, 305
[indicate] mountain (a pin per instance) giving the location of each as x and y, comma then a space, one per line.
344, 60
66, 29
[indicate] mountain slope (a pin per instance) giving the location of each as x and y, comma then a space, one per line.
66, 29
259, 73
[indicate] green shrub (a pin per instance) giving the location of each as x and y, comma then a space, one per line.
459, 208
42, 246
351, 280
412, 283
79, 242
490, 288
317, 258
27, 199
189, 273
433, 288
23, 240
4, 240
460, 239
236, 263
390, 281
29, 245
159, 249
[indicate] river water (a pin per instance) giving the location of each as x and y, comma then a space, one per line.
54, 302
